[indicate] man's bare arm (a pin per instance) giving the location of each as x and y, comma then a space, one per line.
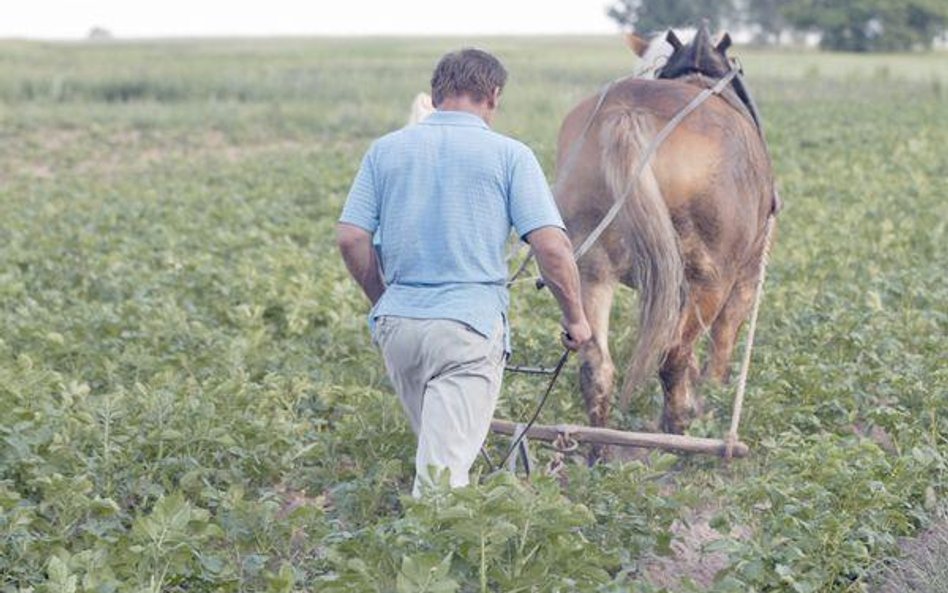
355, 244
554, 254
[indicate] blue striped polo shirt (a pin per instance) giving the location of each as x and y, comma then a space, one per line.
440, 198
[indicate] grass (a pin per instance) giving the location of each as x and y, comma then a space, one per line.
190, 400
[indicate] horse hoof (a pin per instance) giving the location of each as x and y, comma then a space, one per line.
674, 425
599, 454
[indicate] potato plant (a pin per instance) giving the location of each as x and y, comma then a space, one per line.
190, 401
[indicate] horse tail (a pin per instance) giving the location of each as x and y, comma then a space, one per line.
657, 267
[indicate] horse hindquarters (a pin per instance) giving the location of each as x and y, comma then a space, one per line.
645, 248
740, 302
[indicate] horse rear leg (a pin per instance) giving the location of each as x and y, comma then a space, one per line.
679, 369
596, 371
727, 324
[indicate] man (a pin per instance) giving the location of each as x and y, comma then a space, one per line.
439, 199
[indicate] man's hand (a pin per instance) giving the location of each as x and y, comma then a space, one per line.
554, 255
355, 244
576, 334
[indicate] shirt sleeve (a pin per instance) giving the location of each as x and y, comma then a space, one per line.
531, 204
363, 203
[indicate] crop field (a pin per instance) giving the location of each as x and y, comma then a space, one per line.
190, 400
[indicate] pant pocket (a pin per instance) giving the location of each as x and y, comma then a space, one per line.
381, 331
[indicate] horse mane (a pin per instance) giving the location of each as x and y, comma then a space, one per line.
421, 108
653, 50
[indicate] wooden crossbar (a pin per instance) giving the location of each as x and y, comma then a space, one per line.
609, 436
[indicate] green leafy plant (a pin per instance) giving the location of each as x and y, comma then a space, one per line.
190, 400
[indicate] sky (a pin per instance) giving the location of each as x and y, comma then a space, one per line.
72, 19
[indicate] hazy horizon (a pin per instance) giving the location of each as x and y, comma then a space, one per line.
66, 20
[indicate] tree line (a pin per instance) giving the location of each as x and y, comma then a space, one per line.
843, 25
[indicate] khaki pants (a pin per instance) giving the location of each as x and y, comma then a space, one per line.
448, 378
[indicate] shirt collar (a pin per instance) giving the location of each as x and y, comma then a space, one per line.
455, 118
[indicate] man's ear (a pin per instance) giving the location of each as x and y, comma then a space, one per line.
494, 100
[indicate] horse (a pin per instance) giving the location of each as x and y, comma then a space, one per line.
653, 51
691, 232
421, 108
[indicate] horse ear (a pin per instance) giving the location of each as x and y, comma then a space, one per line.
723, 43
636, 44
673, 40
